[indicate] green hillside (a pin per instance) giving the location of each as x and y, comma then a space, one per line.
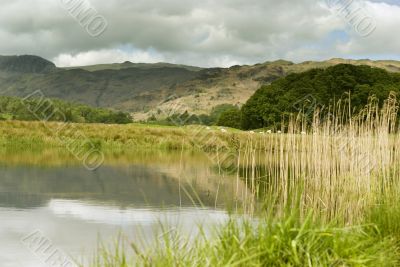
317, 88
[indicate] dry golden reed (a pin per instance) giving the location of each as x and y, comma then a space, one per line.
338, 164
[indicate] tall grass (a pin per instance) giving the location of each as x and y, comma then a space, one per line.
343, 165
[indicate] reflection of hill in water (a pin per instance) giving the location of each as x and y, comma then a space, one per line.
134, 185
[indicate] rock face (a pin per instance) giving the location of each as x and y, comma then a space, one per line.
26, 64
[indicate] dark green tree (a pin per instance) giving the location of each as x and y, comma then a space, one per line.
230, 118
317, 88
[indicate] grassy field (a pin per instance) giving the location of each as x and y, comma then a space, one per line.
114, 137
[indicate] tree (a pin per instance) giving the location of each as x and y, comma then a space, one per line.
230, 118
217, 111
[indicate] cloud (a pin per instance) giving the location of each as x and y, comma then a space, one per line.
205, 33
107, 56
384, 40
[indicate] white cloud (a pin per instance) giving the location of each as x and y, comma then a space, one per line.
384, 40
205, 33
106, 56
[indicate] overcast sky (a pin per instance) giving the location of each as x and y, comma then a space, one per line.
202, 32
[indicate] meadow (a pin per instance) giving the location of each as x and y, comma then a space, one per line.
36, 134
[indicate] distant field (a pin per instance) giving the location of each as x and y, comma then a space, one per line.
21, 134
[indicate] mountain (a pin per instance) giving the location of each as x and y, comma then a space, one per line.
144, 89
26, 64
128, 64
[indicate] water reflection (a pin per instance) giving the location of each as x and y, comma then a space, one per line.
115, 216
132, 193
136, 185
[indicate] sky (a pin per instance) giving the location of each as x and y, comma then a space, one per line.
207, 33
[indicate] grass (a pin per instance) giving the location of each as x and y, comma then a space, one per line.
385, 214
272, 241
112, 137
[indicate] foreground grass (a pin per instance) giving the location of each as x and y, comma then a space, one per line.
287, 241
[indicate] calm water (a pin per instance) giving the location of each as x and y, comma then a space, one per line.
52, 194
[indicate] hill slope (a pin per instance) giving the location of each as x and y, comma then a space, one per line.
143, 89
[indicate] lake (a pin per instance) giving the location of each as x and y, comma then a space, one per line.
50, 193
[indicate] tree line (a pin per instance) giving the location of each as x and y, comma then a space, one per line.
13, 108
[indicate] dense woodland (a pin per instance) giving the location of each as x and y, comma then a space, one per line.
317, 88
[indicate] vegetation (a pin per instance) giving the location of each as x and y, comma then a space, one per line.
287, 241
31, 109
38, 135
329, 198
222, 115
230, 118
317, 88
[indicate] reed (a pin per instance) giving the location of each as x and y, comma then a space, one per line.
342, 165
